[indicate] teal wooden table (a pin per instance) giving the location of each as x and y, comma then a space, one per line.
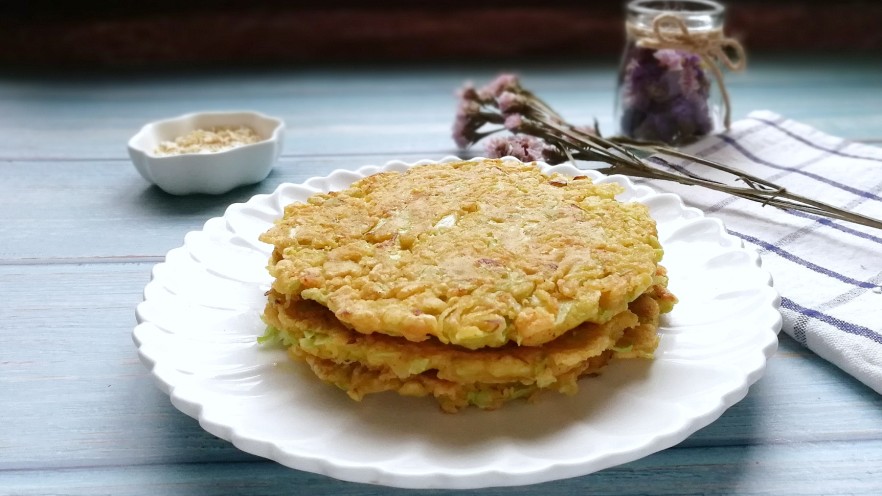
80, 232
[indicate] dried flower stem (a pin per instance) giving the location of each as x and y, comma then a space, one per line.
756, 189
629, 157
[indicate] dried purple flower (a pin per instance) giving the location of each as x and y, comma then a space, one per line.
664, 96
693, 79
672, 60
692, 114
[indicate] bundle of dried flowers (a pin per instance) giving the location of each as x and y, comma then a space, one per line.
538, 133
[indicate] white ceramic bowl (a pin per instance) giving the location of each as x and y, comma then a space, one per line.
211, 172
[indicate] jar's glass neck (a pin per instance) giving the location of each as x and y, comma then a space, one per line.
698, 15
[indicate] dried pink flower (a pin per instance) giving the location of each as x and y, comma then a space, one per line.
514, 122
522, 147
509, 102
670, 59
464, 131
468, 119
466, 90
469, 109
502, 83
497, 147
468, 93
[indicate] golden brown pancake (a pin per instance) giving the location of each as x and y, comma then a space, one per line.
315, 331
359, 380
457, 377
474, 253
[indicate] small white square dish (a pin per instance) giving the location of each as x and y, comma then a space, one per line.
207, 171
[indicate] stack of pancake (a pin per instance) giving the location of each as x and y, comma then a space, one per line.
474, 282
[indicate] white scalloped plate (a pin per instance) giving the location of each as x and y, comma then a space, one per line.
201, 317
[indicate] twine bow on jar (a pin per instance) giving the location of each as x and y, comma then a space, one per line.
669, 31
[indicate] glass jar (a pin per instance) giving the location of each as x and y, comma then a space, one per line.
667, 91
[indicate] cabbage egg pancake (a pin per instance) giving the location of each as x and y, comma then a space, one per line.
459, 377
315, 330
474, 253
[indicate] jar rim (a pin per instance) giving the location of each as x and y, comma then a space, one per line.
700, 7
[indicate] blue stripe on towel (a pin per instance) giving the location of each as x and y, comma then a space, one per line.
799, 138
803, 262
840, 324
836, 184
839, 227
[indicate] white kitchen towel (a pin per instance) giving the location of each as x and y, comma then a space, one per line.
828, 272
